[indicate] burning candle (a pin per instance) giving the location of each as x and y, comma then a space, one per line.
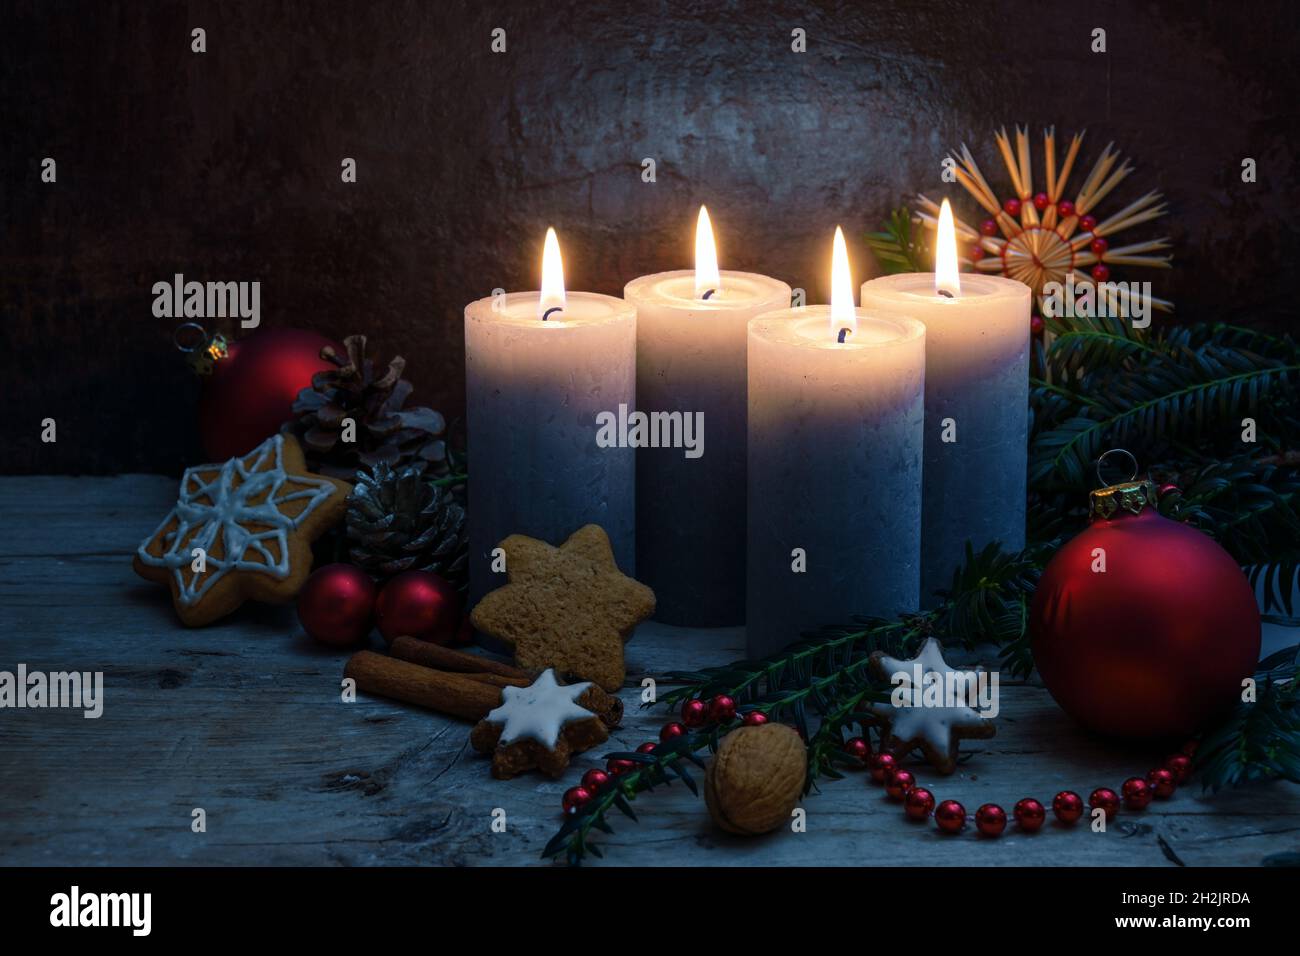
976, 404
539, 368
835, 416
690, 515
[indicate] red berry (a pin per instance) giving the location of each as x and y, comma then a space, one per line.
950, 816
1087, 223
647, 748
1137, 793
1099, 246
594, 779
1162, 782
1065, 208
755, 718
721, 709
918, 803
882, 764
976, 253
1041, 201
1030, 814
1101, 272
1037, 326
989, 227
991, 820
857, 747
1068, 806
669, 731
1012, 206
1104, 798
574, 799
899, 783
619, 765
694, 712
1178, 765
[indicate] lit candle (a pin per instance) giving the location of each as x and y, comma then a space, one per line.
691, 501
539, 368
835, 415
976, 404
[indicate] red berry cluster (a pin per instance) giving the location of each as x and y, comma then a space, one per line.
1065, 209
990, 819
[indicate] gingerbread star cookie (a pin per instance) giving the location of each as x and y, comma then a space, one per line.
538, 726
241, 531
938, 714
569, 607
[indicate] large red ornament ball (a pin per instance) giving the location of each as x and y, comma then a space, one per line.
418, 604
950, 816
990, 820
250, 392
336, 605
918, 803
1068, 806
882, 765
1169, 629
899, 783
1106, 799
1179, 765
1030, 814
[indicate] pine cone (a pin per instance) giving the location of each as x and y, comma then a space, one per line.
385, 431
399, 520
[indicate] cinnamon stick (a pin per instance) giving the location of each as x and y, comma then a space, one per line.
453, 694
496, 680
445, 659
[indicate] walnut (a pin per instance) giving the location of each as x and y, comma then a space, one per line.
756, 779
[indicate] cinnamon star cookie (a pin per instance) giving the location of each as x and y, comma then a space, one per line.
540, 726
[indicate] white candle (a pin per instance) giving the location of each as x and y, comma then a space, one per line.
691, 359
835, 417
976, 404
539, 368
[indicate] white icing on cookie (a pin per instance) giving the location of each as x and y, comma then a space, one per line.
929, 722
222, 508
539, 711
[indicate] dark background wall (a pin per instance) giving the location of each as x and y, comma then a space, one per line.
225, 165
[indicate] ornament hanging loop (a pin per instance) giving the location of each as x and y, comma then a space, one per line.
203, 353
1116, 451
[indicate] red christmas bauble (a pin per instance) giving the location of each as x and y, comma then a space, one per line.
594, 779
899, 783
250, 392
1106, 799
336, 605
575, 798
1030, 814
1179, 765
950, 816
918, 803
1068, 806
1162, 782
694, 712
882, 765
418, 604
991, 820
857, 747
1170, 627
1137, 793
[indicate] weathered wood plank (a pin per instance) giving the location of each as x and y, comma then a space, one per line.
244, 719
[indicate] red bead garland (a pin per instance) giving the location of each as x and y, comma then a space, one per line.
899, 783
1068, 806
950, 816
990, 820
1106, 800
1137, 793
1178, 765
1162, 782
918, 804
1030, 814
881, 765
857, 747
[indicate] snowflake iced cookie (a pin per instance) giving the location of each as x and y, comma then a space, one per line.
241, 530
940, 715
539, 726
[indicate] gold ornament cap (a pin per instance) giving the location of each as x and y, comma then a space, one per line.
1127, 497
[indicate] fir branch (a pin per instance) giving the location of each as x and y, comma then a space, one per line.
898, 247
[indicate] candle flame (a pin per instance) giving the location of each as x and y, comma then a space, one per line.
843, 315
946, 276
552, 275
706, 256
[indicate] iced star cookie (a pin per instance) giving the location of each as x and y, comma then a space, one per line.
241, 531
931, 724
539, 726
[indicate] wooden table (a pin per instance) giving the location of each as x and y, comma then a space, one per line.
244, 719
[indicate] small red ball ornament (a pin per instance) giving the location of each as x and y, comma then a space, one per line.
594, 779
976, 253
918, 803
1065, 208
1162, 783
990, 820
1178, 765
1068, 806
857, 747
899, 783
1099, 246
721, 709
694, 712
619, 765
882, 765
669, 731
1172, 626
1012, 206
1087, 223
1030, 814
950, 816
989, 227
755, 718
1106, 799
1042, 201
418, 604
250, 392
336, 605
1137, 793
1101, 272
574, 799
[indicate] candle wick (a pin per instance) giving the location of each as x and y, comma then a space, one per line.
945, 293
708, 293
547, 314
841, 337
